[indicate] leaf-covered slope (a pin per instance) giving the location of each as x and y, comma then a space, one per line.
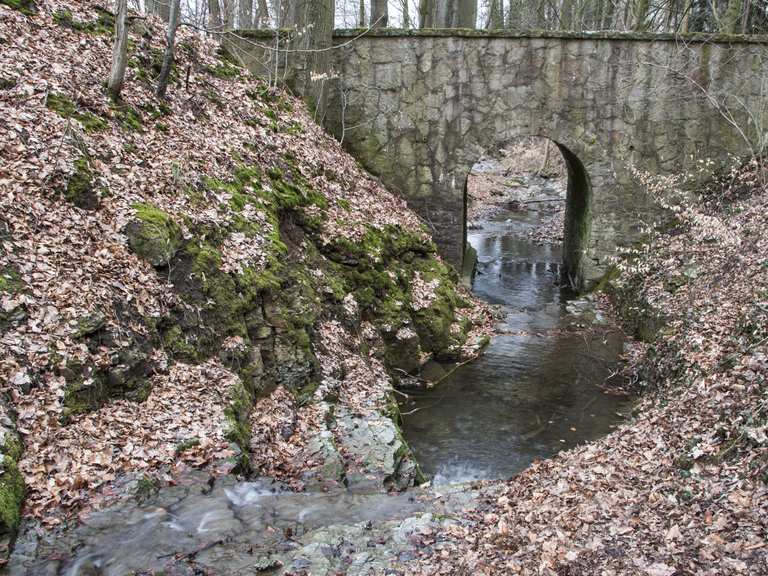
165, 263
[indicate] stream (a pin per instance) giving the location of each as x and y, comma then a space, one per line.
535, 390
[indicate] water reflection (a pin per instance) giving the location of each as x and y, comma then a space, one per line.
535, 391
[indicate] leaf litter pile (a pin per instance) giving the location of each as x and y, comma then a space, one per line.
76, 170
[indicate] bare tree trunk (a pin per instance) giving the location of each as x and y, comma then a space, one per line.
641, 15
465, 13
361, 19
496, 15
214, 14
379, 13
428, 13
745, 16
315, 18
406, 14
119, 52
731, 19
245, 14
160, 8
229, 14
566, 15
262, 21
170, 39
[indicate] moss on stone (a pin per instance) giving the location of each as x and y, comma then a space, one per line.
238, 428
11, 489
26, 7
104, 23
176, 343
129, 117
153, 236
66, 108
80, 190
8, 82
10, 281
224, 70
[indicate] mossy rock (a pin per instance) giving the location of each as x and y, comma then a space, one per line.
154, 236
66, 108
26, 7
80, 189
8, 82
88, 388
11, 500
11, 482
104, 23
225, 70
10, 284
129, 117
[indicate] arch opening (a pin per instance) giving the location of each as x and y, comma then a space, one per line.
535, 389
540, 175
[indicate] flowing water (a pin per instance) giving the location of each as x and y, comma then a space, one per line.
535, 390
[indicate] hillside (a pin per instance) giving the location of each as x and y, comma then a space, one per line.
206, 281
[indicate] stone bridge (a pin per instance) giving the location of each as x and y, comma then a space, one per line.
419, 108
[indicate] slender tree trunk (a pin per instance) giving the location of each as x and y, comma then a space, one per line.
262, 20
496, 15
379, 13
119, 52
566, 15
732, 17
316, 19
361, 19
160, 8
641, 15
466, 13
745, 16
229, 14
428, 13
170, 40
245, 14
214, 14
406, 14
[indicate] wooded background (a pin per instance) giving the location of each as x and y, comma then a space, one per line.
673, 16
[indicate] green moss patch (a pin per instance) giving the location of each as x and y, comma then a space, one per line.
103, 24
129, 117
8, 82
11, 489
224, 70
80, 189
10, 284
380, 269
26, 7
66, 108
154, 236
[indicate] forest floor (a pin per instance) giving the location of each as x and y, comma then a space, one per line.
518, 179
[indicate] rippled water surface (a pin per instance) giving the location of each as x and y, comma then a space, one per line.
535, 390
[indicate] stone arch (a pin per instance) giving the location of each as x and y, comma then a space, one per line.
578, 210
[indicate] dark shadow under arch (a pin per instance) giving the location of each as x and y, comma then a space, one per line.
578, 218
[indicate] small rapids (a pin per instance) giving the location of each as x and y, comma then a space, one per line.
537, 389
